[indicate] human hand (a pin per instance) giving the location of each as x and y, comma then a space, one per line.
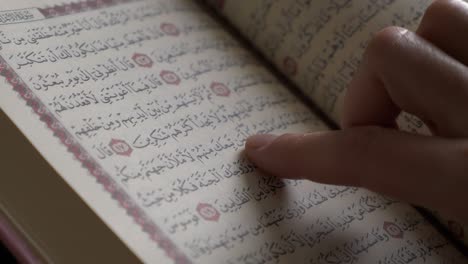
423, 73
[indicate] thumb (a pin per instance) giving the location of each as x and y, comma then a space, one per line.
427, 171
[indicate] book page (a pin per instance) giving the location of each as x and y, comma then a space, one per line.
149, 103
319, 45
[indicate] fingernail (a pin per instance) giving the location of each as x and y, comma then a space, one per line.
259, 141
403, 31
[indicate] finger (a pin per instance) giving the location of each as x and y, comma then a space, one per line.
401, 70
427, 171
367, 102
444, 25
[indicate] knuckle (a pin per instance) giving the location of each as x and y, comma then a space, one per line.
439, 9
385, 43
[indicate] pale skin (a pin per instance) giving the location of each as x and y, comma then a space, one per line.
424, 73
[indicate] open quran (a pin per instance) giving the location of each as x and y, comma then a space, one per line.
136, 113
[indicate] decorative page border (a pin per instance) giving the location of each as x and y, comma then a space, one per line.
102, 177
79, 7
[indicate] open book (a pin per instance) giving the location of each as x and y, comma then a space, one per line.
142, 108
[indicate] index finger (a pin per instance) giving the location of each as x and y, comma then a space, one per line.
426, 171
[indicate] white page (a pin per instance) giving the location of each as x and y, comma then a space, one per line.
319, 45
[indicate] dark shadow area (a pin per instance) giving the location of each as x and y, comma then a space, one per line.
5, 256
